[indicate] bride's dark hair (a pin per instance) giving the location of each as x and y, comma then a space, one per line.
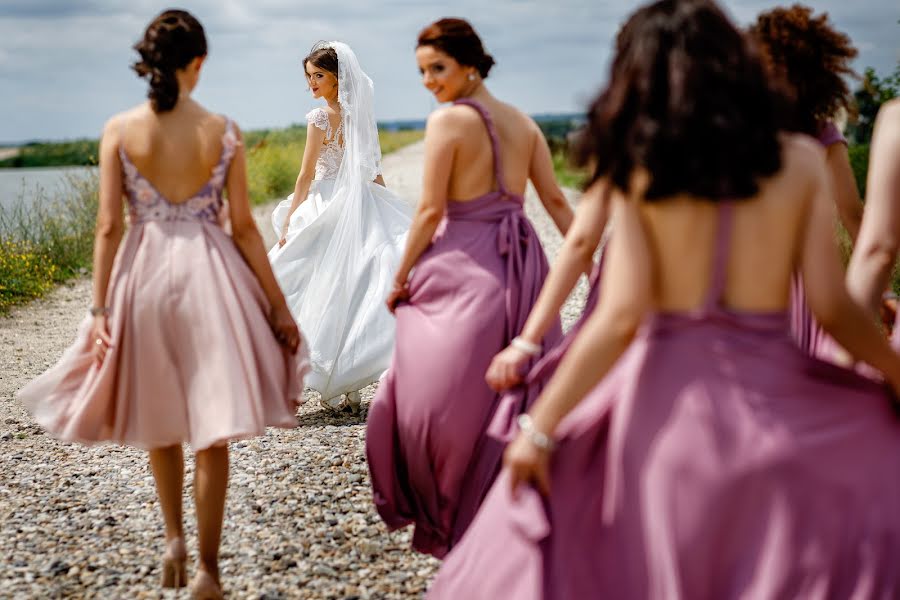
172, 40
457, 38
688, 100
322, 57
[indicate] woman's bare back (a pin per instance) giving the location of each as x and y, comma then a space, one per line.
177, 150
472, 174
766, 242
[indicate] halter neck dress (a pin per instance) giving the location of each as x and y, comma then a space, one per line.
716, 460
430, 459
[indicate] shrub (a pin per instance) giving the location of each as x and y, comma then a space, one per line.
24, 273
859, 161
47, 241
272, 170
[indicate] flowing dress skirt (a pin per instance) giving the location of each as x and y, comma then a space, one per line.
336, 270
193, 358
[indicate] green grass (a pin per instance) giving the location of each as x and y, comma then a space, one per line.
273, 158
55, 154
859, 161
48, 243
567, 174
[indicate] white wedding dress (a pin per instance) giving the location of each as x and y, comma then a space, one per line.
344, 243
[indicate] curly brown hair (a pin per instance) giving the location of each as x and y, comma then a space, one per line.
688, 100
809, 61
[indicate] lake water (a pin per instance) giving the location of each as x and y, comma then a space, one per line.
18, 185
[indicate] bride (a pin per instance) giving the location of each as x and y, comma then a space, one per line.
342, 234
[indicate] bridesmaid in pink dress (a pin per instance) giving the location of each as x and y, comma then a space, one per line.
476, 268
810, 62
686, 446
180, 345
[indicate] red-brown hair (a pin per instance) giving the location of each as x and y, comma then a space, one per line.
457, 38
809, 61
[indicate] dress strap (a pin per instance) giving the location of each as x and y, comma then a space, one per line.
492, 133
725, 220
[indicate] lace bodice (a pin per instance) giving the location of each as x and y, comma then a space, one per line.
146, 203
332, 152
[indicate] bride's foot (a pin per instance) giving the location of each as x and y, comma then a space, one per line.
333, 405
174, 569
353, 402
205, 587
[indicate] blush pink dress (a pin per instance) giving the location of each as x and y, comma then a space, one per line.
193, 358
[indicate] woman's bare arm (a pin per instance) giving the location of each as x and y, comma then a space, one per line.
846, 194
110, 222
879, 239
315, 137
625, 298
574, 258
542, 176
441, 137
109, 230
826, 294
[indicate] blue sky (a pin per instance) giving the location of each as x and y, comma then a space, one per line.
64, 64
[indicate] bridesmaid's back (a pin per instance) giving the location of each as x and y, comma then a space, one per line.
176, 150
766, 243
472, 174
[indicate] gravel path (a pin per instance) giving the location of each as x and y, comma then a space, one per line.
83, 522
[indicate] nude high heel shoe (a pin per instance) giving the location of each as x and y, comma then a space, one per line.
354, 402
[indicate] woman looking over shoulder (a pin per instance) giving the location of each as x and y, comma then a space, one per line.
471, 272
342, 233
686, 447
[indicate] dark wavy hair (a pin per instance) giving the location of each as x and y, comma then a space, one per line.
457, 38
324, 58
809, 61
171, 42
688, 101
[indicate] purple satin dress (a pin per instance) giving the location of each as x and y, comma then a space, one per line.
431, 461
519, 398
717, 460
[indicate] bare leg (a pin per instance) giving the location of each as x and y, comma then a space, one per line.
167, 465
210, 487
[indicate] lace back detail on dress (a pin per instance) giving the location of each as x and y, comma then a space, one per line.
332, 152
146, 203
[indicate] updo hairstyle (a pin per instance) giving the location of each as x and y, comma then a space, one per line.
171, 42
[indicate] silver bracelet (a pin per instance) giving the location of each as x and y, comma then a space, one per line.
525, 346
538, 438
96, 311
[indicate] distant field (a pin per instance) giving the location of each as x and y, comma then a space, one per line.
83, 152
